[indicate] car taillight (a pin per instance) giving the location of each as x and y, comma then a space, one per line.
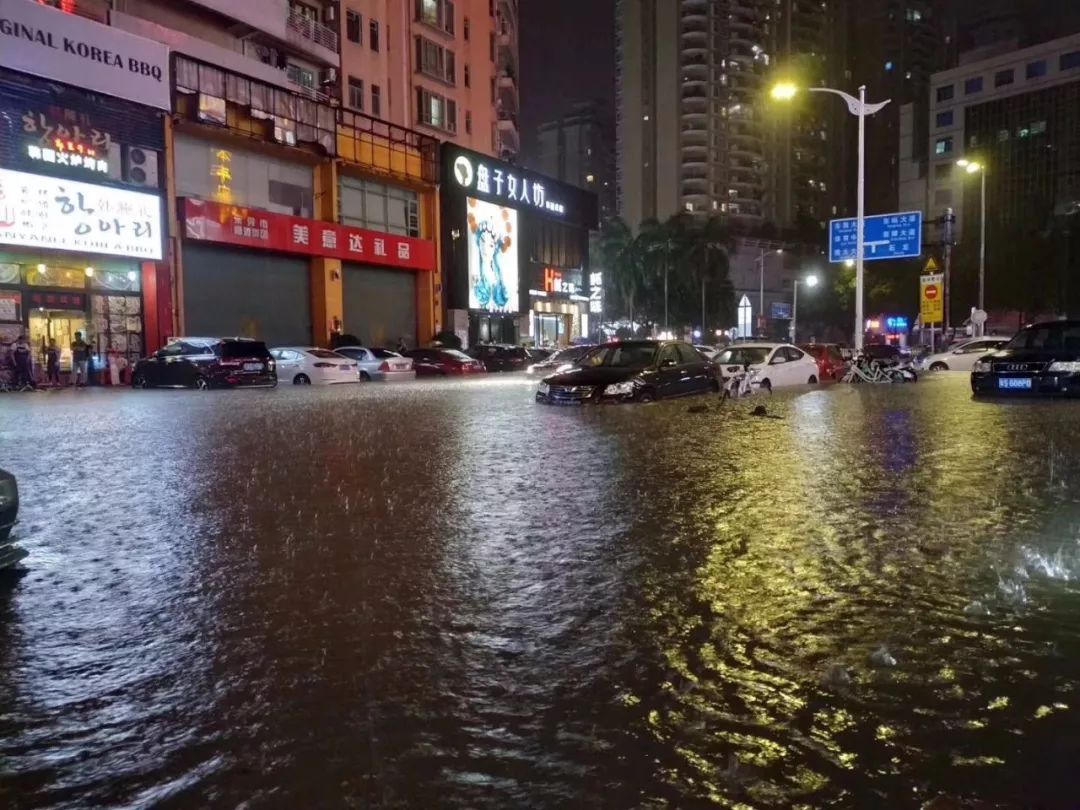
384, 366
229, 363
325, 365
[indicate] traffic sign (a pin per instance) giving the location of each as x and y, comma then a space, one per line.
931, 301
885, 236
930, 268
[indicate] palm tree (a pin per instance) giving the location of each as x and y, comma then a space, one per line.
668, 244
622, 258
710, 245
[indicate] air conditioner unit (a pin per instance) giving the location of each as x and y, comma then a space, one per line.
328, 76
330, 13
140, 166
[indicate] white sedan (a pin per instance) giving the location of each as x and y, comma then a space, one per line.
963, 356
379, 364
306, 365
776, 364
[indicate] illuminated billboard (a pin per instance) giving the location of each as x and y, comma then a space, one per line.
493, 257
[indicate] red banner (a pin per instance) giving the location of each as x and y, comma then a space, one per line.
265, 230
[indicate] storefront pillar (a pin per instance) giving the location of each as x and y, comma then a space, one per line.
174, 251
327, 299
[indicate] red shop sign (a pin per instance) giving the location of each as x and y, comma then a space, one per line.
49, 300
252, 227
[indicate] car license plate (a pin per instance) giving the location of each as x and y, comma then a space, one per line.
253, 366
399, 366
344, 368
1023, 383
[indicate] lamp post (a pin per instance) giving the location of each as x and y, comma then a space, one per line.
785, 91
810, 281
973, 167
761, 278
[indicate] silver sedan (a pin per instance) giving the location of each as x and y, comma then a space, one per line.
379, 364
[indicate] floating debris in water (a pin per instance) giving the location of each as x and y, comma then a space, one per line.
976, 608
836, 677
881, 657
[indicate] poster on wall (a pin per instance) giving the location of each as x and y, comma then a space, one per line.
493, 257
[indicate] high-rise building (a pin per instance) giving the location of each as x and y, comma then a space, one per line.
577, 149
508, 131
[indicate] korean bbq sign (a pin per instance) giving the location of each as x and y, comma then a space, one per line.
58, 214
251, 227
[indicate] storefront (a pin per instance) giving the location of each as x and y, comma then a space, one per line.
247, 272
515, 251
81, 222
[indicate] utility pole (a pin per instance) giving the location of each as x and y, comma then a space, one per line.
948, 221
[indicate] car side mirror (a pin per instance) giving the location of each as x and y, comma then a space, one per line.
777, 360
667, 363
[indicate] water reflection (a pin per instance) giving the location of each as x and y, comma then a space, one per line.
445, 595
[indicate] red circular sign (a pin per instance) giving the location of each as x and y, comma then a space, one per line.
931, 292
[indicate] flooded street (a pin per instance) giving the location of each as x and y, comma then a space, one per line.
445, 595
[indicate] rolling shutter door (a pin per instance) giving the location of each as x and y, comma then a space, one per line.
247, 293
380, 305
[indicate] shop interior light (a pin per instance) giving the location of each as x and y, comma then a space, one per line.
131, 275
89, 271
42, 268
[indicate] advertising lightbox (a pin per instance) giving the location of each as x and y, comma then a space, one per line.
494, 275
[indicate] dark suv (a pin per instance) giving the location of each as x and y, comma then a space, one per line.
191, 362
497, 357
1043, 358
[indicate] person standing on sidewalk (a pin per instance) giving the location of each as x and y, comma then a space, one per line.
80, 357
24, 365
52, 363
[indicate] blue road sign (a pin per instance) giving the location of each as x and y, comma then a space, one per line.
885, 236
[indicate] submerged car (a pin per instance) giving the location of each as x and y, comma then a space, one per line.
499, 357
830, 361
9, 513
776, 364
632, 371
308, 365
963, 356
381, 365
207, 362
443, 362
1042, 359
562, 360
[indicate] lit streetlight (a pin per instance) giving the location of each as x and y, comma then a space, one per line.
975, 167
810, 281
786, 91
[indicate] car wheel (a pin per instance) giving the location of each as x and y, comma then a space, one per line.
201, 383
365, 376
138, 381
766, 385
939, 367
646, 396
812, 380
301, 379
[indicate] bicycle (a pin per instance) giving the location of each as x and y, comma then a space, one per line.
738, 382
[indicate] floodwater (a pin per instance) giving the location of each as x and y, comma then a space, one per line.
444, 595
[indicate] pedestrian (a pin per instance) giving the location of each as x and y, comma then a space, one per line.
402, 346
24, 365
80, 358
52, 363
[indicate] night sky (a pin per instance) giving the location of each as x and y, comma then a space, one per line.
567, 51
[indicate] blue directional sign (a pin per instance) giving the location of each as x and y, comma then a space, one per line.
885, 236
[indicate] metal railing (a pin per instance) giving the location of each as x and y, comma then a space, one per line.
312, 30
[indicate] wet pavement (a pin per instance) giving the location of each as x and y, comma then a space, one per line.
445, 595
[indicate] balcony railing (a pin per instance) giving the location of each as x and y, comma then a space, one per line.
312, 31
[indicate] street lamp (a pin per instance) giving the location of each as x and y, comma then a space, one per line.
974, 167
811, 282
786, 91
761, 278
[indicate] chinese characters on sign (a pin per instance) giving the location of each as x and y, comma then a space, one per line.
60, 214
237, 225
505, 184
596, 292
66, 143
886, 236
554, 282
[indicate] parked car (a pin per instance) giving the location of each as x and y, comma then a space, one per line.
777, 364
379, 364
631, 371
9, 513
560, 360
830, 362
710, 352
497, 357
882, 352
963, 356
207, 362
308, 365
443, 362
1041, 359
537, 354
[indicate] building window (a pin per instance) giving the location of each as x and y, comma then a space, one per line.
1035, 69
1069, 61
1038, 127
945, 92
356, 93
973, 85
492, 89
434, 60
436, 13
943, 196
376, 101
491, 46
943, 146
373, 35
468, 122
378, 207
468, 77
1003, 77
465, 28
943, 171
491, 13
436, 111
945, 119
353, 26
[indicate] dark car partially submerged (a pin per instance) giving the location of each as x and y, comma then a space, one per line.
632, 371
1041, 360
207, 362
9, 512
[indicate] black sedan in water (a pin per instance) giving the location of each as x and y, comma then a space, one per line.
1042, 359
632, 371
9, 513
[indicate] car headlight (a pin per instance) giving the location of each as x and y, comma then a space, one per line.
983, 367
1070, 367
619, 389
543, 388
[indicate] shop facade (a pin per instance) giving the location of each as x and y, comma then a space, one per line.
82, 213
514, 252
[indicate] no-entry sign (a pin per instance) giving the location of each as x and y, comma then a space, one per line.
931, 305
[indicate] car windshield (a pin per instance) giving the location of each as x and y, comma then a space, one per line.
622, 355
745, 354
324, 353
570, 354
1049, 337
243, 348
383, 354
